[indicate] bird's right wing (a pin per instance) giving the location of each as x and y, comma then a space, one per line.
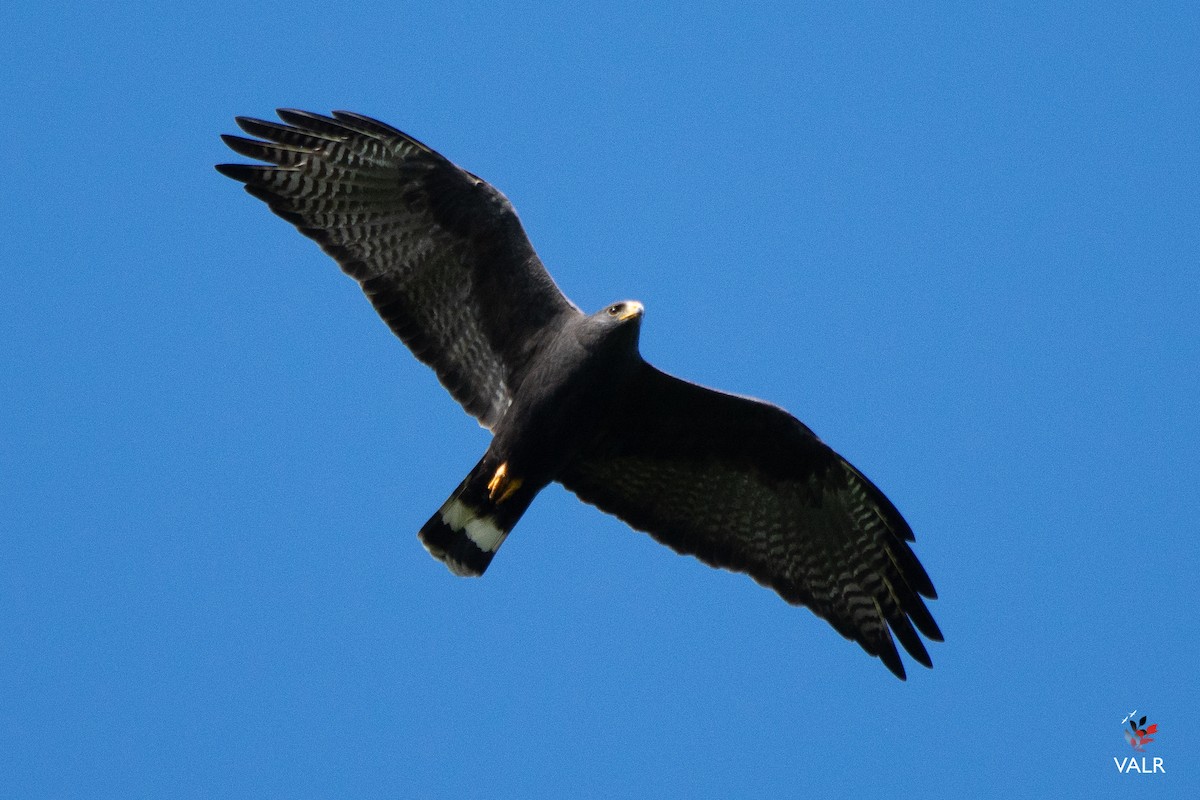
439, 252
745, 486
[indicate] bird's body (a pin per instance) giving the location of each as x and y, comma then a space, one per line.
738, 483
569, 389
567, 399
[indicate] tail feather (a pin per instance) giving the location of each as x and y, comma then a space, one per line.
469, 528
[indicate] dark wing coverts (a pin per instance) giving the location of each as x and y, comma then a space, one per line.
439, 252
743, 485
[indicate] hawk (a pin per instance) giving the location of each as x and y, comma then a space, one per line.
736, 482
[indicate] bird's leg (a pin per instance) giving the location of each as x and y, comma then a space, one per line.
502, 485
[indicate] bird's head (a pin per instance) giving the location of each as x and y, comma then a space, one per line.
614, 326
622, 313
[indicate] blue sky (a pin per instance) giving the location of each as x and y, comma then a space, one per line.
961, 245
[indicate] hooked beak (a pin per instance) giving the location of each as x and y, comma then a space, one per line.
632, 309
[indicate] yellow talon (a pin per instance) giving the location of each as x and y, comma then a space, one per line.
510, 490
494, 483
499, 484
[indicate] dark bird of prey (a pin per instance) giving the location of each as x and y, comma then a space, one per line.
738, 483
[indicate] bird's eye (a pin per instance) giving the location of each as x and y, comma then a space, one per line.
614, 310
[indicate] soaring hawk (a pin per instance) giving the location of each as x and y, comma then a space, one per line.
736, 482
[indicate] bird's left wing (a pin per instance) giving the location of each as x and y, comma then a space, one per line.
744, 486
439, 252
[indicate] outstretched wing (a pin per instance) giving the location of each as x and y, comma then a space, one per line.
743, 485
439, 252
